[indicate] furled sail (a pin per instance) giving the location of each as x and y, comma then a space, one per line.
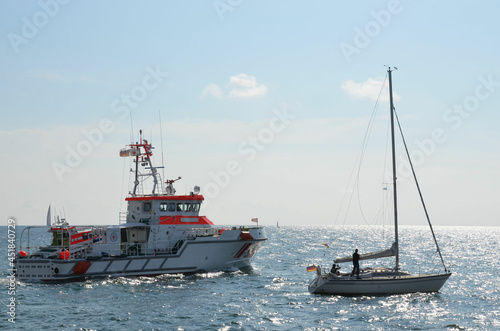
370, 256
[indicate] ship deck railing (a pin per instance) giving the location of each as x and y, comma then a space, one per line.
99, 247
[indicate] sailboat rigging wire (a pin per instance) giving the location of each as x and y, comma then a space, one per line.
359, 162
385, 189
365, 146
419, 191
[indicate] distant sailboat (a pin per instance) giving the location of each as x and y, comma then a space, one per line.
381, 280
49, 216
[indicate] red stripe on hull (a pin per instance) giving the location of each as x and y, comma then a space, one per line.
81, 267
242, 250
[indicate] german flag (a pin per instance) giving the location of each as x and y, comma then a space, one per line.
311, 268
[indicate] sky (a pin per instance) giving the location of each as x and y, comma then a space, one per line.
263, 104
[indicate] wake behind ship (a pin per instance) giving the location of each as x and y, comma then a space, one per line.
163, 233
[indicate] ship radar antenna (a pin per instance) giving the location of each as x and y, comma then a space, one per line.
389, 67
196, 190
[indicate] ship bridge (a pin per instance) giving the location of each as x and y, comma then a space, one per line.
166, 209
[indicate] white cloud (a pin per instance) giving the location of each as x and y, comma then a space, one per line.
241, 86
51, 76
212, 90
245, 86
54, 76
371, 89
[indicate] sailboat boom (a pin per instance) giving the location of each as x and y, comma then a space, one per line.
371, 256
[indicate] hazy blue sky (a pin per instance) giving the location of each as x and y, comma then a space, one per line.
264, 104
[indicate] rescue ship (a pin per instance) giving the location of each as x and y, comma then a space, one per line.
160, 233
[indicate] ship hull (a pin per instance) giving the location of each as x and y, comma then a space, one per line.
325, 284
193, 257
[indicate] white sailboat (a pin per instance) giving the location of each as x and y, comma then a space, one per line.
380, 281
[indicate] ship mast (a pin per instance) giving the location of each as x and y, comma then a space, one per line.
136, 180
396, 239
145, 159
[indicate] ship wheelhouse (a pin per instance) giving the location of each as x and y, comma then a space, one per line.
167, 210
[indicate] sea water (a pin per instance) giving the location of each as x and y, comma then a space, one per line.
274, 295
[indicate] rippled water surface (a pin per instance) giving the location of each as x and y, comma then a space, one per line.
274, 296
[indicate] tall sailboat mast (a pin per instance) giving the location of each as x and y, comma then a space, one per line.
394, 175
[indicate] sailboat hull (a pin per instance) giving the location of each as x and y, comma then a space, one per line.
328, 284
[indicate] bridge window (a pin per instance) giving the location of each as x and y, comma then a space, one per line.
196, 207
171, 206
188, 207
146, 207
192, 207
180, 206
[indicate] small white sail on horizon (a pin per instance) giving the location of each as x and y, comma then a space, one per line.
49, 216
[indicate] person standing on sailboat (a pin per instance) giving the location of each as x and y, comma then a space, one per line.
355, 263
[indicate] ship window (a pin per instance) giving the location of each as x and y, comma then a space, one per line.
180, 206
188, 207
171, 206
163, 206
123, 235
146, 206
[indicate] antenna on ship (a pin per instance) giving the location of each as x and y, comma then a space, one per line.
131, 127
161, 145
136, 181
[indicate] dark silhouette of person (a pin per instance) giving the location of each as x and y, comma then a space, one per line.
335, 269
355, 263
